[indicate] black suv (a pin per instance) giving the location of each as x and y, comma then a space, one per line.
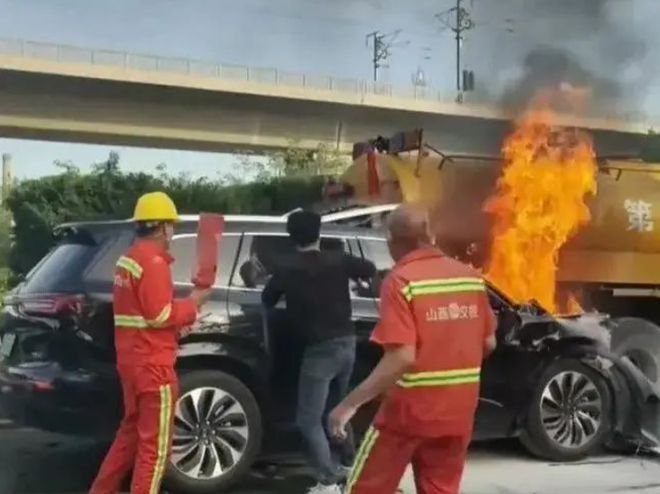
551, 381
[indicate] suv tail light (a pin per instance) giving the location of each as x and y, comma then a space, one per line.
53, 305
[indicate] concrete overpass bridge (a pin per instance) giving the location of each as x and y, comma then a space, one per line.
64, 93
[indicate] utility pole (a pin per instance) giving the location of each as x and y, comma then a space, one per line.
378, 53
458, 20
457, 30
382, 44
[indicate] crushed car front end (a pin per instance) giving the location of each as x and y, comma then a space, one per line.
635, 397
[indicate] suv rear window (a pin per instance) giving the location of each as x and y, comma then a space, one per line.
61, 269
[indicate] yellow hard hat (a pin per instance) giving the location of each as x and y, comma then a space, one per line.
155, 206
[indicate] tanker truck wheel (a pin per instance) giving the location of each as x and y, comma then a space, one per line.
639, 340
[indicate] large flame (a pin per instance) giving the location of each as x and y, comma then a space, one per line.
539, 204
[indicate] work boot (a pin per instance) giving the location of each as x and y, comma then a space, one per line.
343, 472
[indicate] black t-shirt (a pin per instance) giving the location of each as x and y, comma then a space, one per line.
316, 287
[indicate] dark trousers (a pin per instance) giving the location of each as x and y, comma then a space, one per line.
324, 380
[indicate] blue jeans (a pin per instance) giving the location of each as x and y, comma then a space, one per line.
324, 379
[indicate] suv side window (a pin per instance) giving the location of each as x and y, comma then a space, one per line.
266, 252
376, 251
184, 251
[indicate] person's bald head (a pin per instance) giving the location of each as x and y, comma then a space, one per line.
408, 229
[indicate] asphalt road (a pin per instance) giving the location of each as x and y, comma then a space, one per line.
31, 463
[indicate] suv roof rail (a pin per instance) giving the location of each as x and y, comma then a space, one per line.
289, 213
183, 217
357, 212
346, 214
240, 217
344, 207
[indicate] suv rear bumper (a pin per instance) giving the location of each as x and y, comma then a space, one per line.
47, 398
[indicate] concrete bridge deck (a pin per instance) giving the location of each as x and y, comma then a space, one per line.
56, 92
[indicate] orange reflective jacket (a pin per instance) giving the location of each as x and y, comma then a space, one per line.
147, 317
440, 307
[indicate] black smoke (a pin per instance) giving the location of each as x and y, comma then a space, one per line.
550, 69
580, 43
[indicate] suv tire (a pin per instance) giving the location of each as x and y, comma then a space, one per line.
570, 412
237, 422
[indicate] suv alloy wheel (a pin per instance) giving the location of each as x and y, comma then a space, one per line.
217, 433
570, 412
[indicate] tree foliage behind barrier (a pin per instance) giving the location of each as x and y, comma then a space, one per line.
651, 148
5, 243
108, 193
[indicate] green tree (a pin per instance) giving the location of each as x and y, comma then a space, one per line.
5, 245
110, 193
248, 168
5, 236
292, 162
111, 165
651, 147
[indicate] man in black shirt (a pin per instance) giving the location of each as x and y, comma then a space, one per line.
316, 287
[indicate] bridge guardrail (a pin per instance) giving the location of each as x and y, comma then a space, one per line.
261, 75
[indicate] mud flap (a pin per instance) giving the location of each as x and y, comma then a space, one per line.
643, 423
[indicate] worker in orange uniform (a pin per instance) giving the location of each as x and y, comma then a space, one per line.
436, 327
148, 324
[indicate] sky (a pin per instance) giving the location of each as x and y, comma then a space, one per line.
515, 44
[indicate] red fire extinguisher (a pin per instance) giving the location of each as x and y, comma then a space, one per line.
373, 181
209, 233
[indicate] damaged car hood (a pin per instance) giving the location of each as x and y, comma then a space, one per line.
589, 326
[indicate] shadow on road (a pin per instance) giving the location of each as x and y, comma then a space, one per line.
34, 463
31, 463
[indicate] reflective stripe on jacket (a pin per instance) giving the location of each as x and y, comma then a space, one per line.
440, 307
447, 289
147, 316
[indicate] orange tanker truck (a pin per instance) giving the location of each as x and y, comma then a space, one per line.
588, 241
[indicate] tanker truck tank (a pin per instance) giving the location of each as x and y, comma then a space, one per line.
621, 244
612, 264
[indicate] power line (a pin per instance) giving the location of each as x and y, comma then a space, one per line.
382, 44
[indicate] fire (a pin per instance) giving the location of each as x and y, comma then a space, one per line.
572, 305
540, 203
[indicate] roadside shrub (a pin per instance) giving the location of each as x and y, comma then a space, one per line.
108, 193
5, 244
4, 284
